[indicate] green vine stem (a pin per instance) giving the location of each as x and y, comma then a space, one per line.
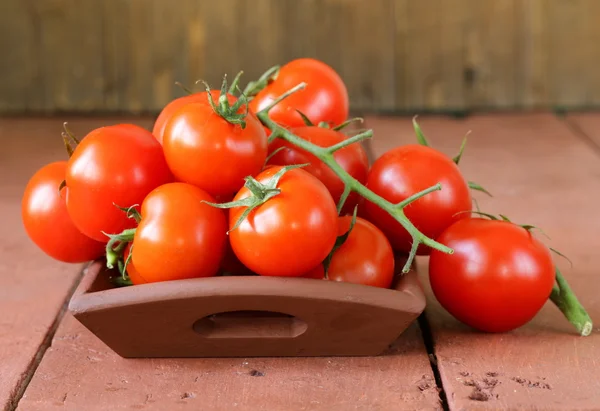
566, 301
325, 154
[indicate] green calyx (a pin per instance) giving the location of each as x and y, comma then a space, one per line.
260, 194
422, 140
228, 112
324, 124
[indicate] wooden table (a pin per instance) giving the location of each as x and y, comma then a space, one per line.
543, 170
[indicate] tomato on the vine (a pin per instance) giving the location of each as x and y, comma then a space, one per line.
325, 97
407, 170
179, 235
498, 277
292, 232
172, 107
112, 166
353, 159
47, 222
204, 149
366, 257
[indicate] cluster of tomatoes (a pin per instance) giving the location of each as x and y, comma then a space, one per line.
208, 192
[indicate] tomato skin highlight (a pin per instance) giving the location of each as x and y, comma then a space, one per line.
112, 165
407, 170
291, 233
205, 150
353, 159
179, 236
47, 221
498, 278
325, 97
171, 108
366, 257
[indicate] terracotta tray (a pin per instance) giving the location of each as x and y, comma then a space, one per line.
245, 316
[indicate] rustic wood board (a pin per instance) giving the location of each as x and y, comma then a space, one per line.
588, 124
125, 55
80, 372
543, 174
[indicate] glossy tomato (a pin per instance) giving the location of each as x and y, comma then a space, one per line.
352, 158
407, 170
291, 233
47, 222
366, 257
498, 278
171, 108
205, 150
112, 166
325, 97
179, 235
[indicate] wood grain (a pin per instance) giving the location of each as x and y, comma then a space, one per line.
552, 182
79, 372
394, 55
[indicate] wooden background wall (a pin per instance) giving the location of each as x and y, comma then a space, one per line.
395, 55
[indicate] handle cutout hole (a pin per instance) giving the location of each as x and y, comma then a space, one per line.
250, 324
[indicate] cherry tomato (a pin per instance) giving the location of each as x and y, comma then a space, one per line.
366, 257
231, 264
407, 170
47, 222
179, 235
171, 108
112, 166
292, 232
498, 277
352, 158
205, 150
325, 97
317, 273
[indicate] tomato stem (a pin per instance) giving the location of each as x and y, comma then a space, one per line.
566, 301
254, 87
224, 109
354, 139
348, 122
283, 97
235, 83
325, 154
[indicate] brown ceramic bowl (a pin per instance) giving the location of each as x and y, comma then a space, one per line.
248, 316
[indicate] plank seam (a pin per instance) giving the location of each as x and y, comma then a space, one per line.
429, 347
46, 343
580, 133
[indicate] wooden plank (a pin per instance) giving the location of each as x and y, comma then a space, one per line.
588, 124
546, 182
33, 287
353, 31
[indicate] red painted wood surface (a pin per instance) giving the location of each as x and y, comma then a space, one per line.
540, 173
588, 124
78, 372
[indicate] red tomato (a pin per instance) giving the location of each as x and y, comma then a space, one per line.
366, 257
325, 97
292, 232
47, 222
352, 158
317, 273
407, 170
112, 165
171, 108
205, 150
232, 264
179, 236
498, 278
